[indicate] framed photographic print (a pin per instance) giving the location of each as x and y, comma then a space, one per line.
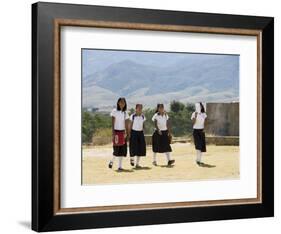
144, 117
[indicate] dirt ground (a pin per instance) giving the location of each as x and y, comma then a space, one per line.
221, 162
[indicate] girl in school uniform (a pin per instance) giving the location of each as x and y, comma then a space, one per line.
198, 120
120, 119
137, 140
162, 135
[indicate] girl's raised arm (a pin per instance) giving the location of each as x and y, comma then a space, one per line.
193, 118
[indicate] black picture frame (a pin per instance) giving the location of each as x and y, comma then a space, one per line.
43, 217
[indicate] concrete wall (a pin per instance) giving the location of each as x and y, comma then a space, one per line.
223, 119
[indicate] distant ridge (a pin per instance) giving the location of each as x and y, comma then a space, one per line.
144, 78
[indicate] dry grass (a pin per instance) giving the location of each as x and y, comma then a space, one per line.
222, 163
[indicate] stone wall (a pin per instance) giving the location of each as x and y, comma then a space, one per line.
223, 119
222, 140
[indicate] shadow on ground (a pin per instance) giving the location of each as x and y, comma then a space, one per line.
142, 168
167, 166
25, 224
207, 165
124, 170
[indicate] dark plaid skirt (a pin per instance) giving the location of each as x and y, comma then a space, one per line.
199, 139
121, 150
137, 144
161, 143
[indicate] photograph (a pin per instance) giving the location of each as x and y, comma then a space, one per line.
146, 116
158, 116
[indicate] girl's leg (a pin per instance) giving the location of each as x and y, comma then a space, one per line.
199, 155
154, 159
168, 156
111, 161
169, 160
120, 162
132, 162
138, 161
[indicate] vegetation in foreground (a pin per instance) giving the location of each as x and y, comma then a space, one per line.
99, 124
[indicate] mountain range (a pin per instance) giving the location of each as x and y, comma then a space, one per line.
150, 78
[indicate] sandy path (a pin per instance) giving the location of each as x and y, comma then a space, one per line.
223, 163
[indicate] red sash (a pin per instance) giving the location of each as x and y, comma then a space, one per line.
119, 138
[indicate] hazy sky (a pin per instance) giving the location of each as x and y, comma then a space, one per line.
95, 59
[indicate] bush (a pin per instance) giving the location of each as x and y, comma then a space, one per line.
103, 132
92, 122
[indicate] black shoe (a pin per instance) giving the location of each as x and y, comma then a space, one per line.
199, 163
154, 163
132, 162
110, 165
138, 167
120, 169
171, 162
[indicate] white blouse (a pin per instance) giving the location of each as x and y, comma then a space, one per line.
137, 121
120, 117
161, 121
200, 120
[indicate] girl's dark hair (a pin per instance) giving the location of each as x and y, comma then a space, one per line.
202, 108
118, 107
158, 106
137, 105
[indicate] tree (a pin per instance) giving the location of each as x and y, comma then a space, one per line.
180, 118
176, 106
87, 127
131, 111
148, 125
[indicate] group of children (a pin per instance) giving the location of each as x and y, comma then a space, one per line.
130, 128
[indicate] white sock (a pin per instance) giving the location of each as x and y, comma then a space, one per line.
113, 158
137, 160
168, 156
199, 153
154, 157
120, 162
